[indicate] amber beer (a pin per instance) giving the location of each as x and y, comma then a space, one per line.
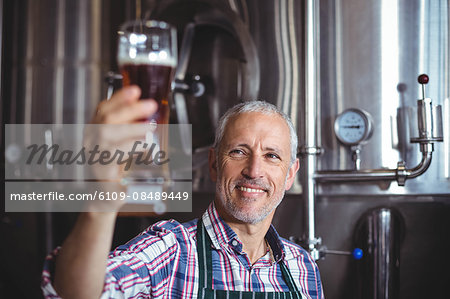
154, 81
147, 56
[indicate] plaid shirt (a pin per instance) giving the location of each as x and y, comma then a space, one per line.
161, 262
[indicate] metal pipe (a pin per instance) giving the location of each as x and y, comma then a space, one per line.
310, 150
427, 150
400, 174
352, 175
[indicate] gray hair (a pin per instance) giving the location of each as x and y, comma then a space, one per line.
261, 107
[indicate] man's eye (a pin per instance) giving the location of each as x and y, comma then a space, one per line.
236, 152
272, 156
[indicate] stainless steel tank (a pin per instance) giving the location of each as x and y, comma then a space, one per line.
371, 55
55, 63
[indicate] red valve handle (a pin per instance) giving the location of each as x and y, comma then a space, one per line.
423, 79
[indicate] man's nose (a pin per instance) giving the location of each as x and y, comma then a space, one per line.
253, 167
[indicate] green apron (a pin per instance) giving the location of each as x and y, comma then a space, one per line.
205, 289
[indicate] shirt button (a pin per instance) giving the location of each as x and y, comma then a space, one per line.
234, 243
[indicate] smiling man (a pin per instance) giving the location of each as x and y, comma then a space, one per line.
252, 167
232, 251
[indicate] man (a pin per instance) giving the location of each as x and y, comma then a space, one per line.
232, 251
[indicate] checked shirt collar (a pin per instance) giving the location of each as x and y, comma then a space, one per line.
223, 237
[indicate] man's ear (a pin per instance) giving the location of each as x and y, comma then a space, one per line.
291, 174
212, 161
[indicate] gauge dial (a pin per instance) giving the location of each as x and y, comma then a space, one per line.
353, 126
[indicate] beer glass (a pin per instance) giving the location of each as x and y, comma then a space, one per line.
147, 57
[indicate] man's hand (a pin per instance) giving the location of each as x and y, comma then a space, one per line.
117, 126
124, 107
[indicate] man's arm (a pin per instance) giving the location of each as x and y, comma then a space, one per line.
81, 263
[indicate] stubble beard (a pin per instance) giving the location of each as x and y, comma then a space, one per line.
247, 217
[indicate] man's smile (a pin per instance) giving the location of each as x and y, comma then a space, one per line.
252, 190
251, 186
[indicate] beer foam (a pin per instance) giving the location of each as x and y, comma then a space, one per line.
152, 58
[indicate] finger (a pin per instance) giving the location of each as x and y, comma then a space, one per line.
124, 96
132, 112
121, 98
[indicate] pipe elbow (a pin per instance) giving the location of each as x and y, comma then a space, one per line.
421, 167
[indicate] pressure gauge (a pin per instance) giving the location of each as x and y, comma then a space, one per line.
353, 126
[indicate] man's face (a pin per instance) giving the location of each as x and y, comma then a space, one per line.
252, 167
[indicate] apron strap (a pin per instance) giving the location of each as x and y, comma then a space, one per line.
288, 277
204, 257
